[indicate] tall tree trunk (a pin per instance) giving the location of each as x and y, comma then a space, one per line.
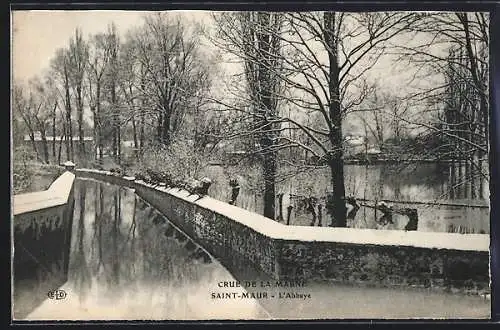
453, 178
31, 133
33, 144
134, 132
63, 135
95, 147
54, 132
114, 100
115, 262
267, 109
67, 138
335, 157
159, 125
119, 144
97, 123
134, 123
460, 184
143, 105
269, 165
114, 148
116, 126
472, 160
466, 182
45, 145
165, 128
136, 140
78, 60
480, 86
114, 122
69, 129
81, 144
141, 131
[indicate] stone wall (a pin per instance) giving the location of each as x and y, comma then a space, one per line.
440, 261
397, 265
42, 238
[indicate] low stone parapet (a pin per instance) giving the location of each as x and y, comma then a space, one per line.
439, 261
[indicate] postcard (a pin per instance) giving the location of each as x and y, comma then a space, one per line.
244, 165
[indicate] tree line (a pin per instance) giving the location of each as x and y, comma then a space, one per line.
144, 86
300, 78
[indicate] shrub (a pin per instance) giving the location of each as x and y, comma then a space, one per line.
21, 173
179, 159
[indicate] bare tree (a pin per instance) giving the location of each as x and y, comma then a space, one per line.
52, 95
35, 110
128, 82
325, 57
354, 42
78, 60
99, 58
374, 118
172, 71
112, 76
45, 118
380, 117
21, 106
459, 103
61, 73
254, 37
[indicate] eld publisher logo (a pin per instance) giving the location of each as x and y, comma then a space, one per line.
57, 294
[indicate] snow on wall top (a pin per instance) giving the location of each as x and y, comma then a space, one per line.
276, 230
57, 194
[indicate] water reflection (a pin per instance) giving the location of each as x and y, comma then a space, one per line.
123, 266
416, 182
41, 257
421, 182
128, 262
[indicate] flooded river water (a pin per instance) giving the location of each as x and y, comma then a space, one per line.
124, 267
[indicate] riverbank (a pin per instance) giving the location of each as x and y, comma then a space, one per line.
422, 187
138, 258
32, 177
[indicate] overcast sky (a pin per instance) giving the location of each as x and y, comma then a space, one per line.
37, 34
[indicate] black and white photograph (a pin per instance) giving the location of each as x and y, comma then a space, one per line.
195, 165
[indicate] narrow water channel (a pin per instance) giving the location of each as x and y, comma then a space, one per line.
124, 267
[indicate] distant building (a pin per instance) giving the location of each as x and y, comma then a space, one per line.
38, 138
60, 143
